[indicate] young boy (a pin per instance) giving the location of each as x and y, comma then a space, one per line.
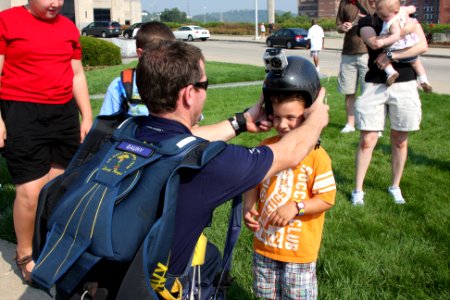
290, 213
116, 96
395, 18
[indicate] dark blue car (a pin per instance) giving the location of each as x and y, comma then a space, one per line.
289, 38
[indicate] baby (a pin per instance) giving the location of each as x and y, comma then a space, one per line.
395, 17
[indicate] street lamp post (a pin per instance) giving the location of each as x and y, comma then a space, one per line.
204, 14
256, 20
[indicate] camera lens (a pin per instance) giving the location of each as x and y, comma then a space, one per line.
276, 62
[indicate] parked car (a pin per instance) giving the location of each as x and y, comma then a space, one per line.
128, 33
289, 38
191, 32
103, 29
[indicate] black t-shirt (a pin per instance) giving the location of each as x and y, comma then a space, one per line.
375, 75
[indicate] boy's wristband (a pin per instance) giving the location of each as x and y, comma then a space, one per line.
301, 208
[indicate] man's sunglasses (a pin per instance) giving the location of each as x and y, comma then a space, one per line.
201, 85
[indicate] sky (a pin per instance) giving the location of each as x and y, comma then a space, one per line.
199, 7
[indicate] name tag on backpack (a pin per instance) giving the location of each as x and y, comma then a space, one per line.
136, 149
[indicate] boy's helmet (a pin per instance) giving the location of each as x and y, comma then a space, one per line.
300, 75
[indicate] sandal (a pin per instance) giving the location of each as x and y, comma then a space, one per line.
22, 265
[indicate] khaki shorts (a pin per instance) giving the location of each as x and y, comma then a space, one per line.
352, 71
400, 102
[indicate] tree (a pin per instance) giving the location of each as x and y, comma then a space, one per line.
173, 15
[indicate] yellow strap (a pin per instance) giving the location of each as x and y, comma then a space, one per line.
176, 288
200, 251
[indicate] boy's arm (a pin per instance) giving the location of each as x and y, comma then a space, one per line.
81, 95
112, 101
249, 210
2, 124
288, 211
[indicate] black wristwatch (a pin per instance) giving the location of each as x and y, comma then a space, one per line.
389, 55
238, 123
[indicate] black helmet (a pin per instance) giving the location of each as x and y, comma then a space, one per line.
300, 75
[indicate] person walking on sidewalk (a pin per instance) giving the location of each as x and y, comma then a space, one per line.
262, 28
354, 57
317, 42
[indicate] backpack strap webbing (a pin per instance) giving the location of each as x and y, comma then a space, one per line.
234, 229
127, 79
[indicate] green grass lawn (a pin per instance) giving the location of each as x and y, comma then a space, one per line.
378, 251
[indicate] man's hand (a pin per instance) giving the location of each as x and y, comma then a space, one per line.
256, 119
382, 61
283, 214
318, 110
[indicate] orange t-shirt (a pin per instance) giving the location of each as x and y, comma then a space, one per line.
298, 241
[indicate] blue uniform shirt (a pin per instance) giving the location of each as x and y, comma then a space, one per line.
235, 170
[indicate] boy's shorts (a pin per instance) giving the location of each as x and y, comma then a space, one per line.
400, 102
315, 53
39, 135
280, 280
352, 71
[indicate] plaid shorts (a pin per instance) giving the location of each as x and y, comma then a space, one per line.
274, 279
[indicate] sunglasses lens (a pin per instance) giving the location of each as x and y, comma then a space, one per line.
201, 85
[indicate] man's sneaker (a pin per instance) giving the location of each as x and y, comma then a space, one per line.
357, 197
347, 129
426, 87
391, 79
396, 193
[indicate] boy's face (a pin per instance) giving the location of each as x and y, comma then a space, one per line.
45, 9
287, 116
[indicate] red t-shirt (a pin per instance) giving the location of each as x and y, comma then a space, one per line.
38, 54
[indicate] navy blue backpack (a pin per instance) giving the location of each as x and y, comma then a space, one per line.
113, 210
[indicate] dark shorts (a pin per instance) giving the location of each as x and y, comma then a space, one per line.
38, 136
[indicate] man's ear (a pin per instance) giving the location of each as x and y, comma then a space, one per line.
186, 95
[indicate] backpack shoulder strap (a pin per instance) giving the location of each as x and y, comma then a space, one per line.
127, 79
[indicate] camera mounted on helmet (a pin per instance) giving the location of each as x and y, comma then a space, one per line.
297, 74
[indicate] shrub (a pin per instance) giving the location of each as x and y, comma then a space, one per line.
97, 52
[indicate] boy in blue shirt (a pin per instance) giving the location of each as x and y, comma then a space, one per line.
116, 98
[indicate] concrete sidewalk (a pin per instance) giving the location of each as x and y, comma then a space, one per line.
11, 286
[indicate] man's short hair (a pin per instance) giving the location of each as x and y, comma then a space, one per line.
164, 68
153, 31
